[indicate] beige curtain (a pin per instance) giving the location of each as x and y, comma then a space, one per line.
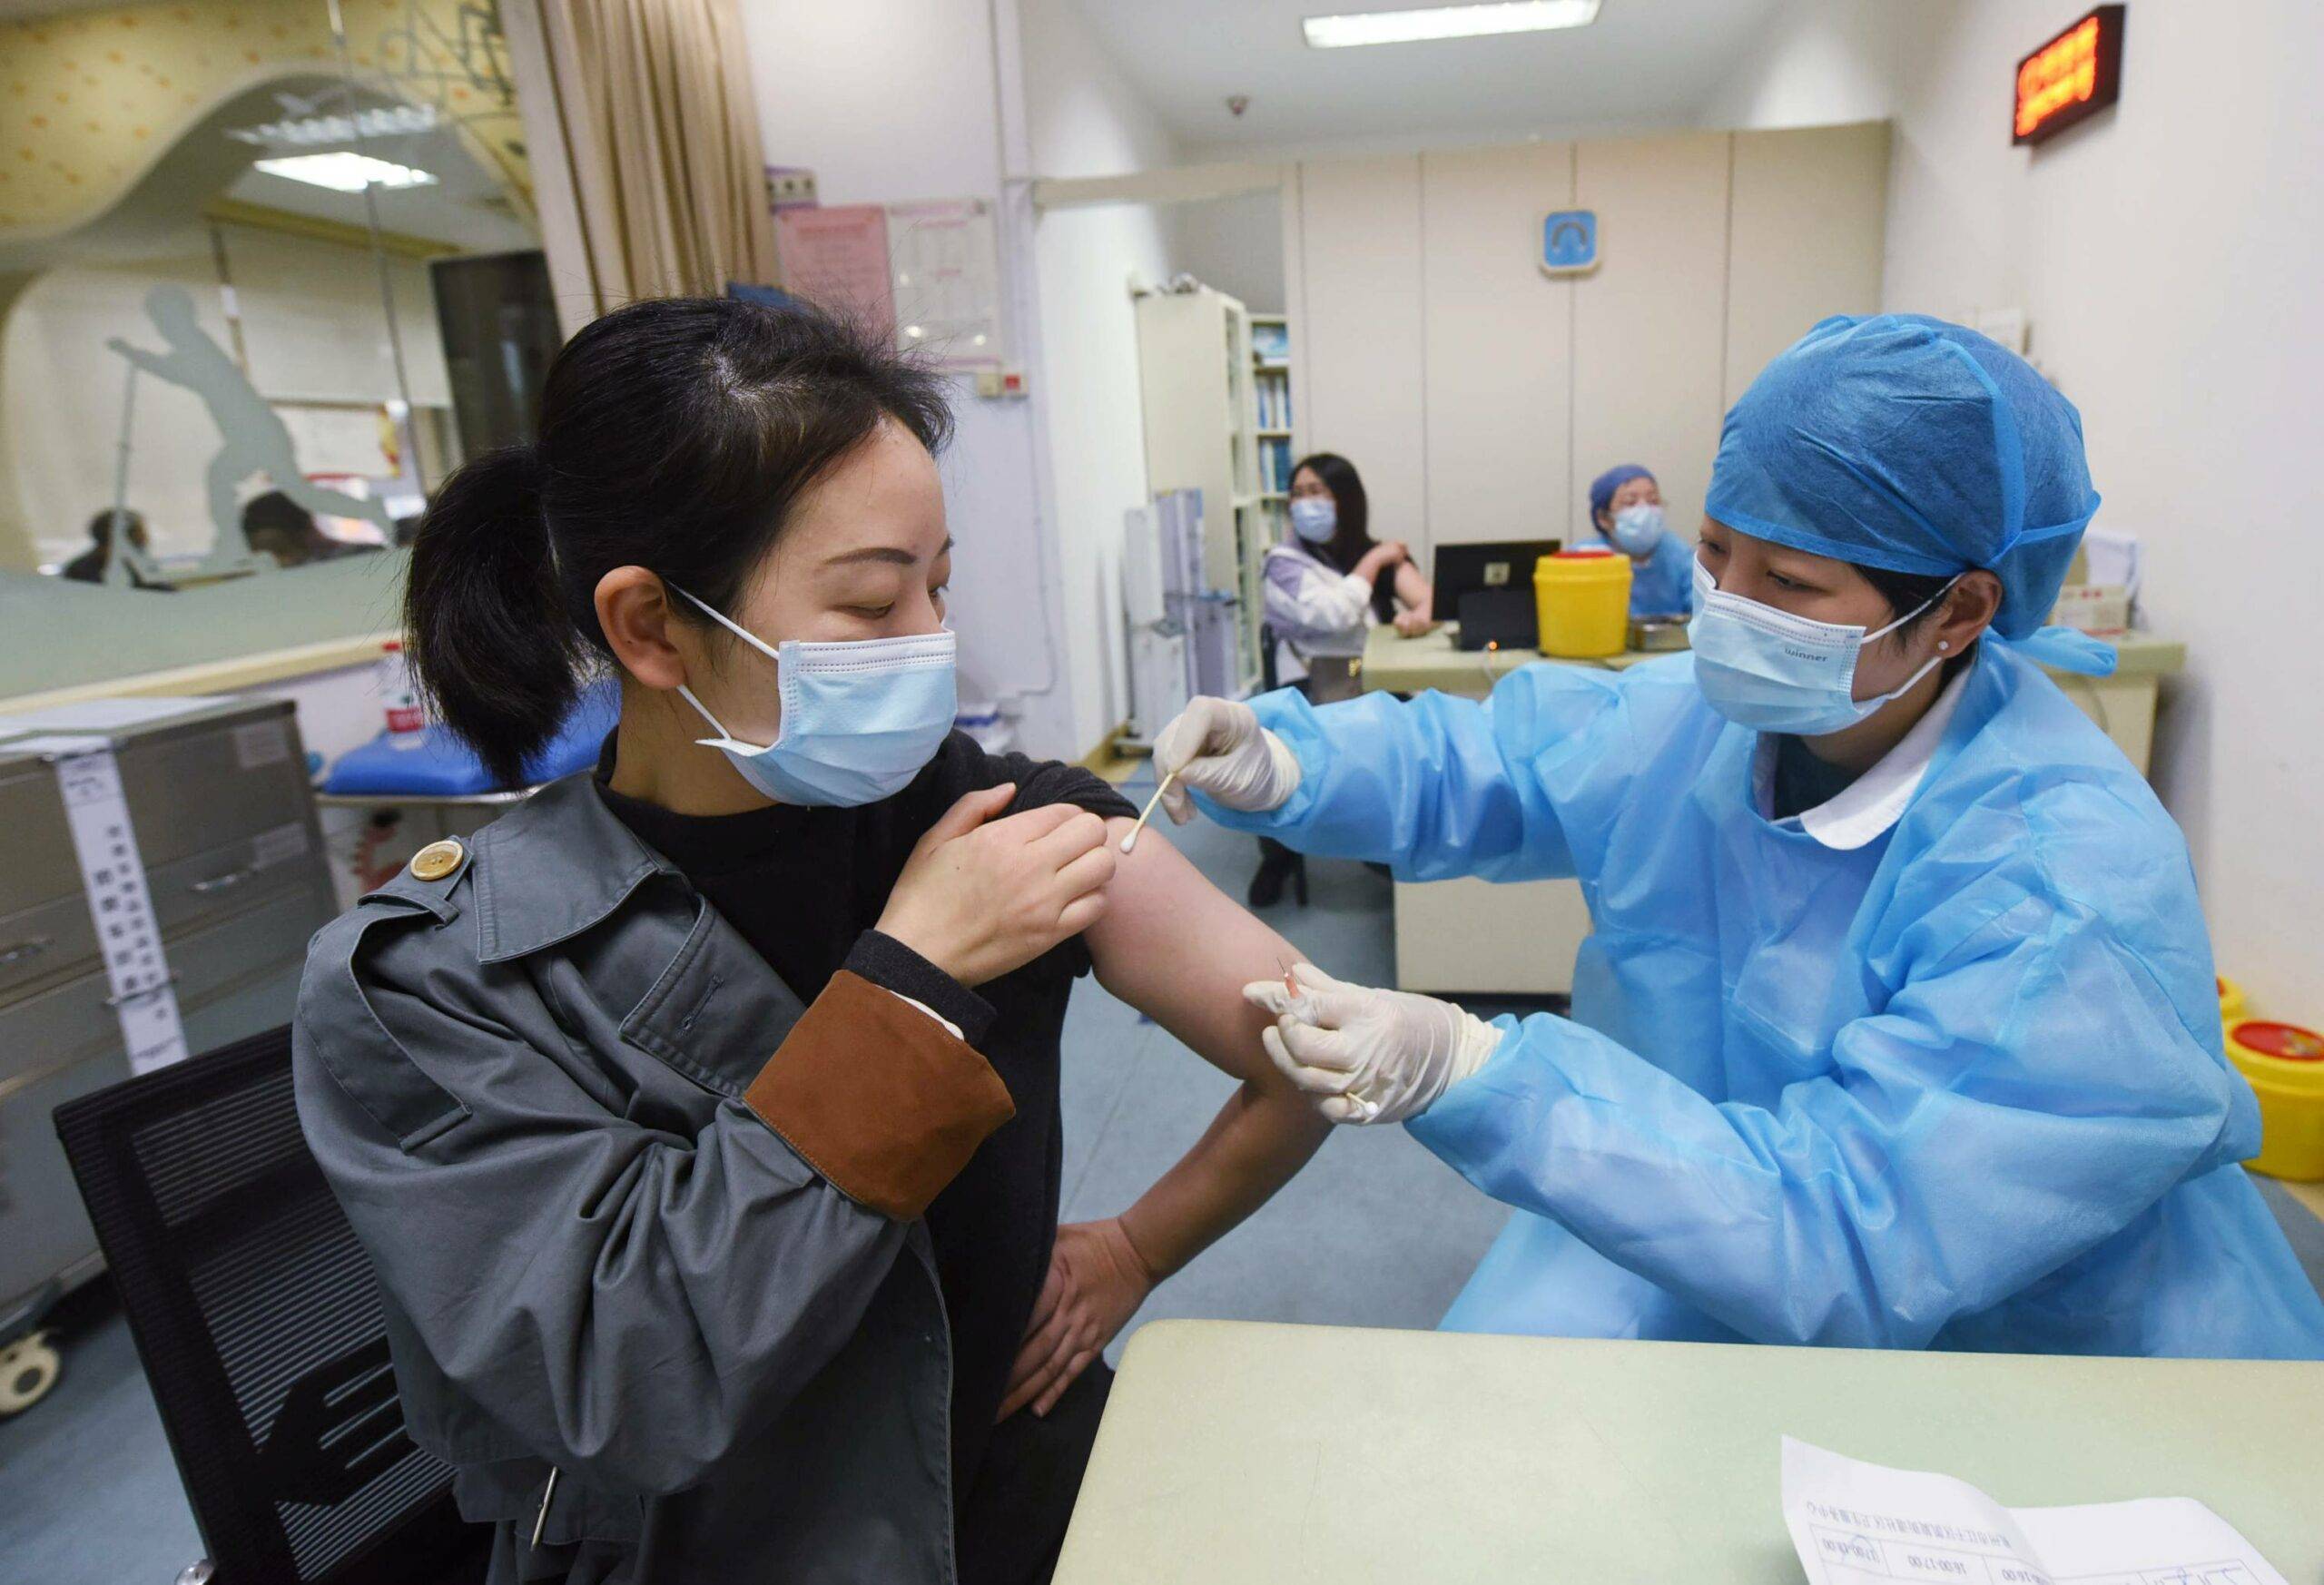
654, 107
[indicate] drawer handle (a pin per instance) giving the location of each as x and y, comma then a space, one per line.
24, 952
231, 879
169, 978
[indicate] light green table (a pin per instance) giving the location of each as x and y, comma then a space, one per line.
1408, 665
1237, 1454
1465, 936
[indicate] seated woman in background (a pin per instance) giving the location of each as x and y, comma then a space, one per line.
89, 566
1326, 586
701, 1117
1626, 506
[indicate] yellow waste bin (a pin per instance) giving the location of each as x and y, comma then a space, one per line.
1583, 600
2232, 1009
2285, 1064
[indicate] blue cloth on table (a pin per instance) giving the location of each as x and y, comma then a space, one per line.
442, 766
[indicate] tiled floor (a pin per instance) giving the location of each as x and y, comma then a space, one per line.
1375, 1232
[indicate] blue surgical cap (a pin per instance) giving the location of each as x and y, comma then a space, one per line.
1602, 488
1904, 442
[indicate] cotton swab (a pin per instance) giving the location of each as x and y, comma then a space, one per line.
1130, 841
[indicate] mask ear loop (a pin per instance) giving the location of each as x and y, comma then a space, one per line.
1915, 611
716, 724
738, 630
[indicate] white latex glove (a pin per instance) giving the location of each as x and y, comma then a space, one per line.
1369, 1056
1218, 748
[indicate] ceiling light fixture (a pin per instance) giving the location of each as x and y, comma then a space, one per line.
1379, 27
345, 172
385, 121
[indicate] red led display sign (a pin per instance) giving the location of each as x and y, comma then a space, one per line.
2075, 74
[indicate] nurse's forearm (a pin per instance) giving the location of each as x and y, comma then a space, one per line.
1178, 950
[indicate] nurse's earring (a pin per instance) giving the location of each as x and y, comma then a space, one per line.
1943, 644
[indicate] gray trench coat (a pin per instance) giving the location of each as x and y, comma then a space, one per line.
640, 1219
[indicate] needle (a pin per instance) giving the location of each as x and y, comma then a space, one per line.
1130, 841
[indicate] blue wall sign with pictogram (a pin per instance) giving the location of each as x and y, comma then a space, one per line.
1570, 242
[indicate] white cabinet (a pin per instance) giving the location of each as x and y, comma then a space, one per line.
1195, 378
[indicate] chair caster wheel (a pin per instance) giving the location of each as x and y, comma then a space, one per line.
28, 1369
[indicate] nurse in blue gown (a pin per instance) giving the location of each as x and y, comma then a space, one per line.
1626, 508
1897, 1026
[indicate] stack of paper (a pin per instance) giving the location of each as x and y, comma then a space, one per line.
1860, 1524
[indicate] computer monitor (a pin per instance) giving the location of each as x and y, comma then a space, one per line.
1489, 590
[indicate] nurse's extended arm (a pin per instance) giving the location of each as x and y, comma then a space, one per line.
1509, 788
1177, 949
2018, 1101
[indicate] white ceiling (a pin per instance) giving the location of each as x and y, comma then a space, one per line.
1641, 63
464, 206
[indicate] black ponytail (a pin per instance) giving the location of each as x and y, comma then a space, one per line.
486, 628
675, 435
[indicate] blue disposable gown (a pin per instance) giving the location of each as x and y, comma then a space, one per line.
1663, 583
1961, 1088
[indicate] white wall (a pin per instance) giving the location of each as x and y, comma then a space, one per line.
1478, 395
887, 101
1235, 244
1817, 63
1084, 119
2193, 350
2165, 254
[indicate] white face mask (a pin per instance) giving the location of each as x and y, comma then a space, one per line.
1315, 518
1773, 672
860, 719
1637, 530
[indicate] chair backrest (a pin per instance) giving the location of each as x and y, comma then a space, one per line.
257, 1317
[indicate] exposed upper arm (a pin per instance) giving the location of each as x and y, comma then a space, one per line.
1412, 589
1180, 950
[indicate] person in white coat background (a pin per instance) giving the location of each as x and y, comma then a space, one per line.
1326, 585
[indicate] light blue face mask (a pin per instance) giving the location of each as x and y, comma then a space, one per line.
1773, 671
1315, 518
1637, 530
860, 719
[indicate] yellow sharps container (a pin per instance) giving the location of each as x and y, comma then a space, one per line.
2285, 1064
1584, 598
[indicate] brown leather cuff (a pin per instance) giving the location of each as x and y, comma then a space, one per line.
878, 1097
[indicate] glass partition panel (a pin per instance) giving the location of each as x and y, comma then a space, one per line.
268, 270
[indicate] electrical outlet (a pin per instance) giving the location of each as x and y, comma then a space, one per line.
790, 187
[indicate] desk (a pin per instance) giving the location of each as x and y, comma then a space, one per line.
1468, 936
1239, 1454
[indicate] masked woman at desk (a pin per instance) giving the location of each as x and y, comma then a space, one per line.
701, 1117
1326, 586
1626, 508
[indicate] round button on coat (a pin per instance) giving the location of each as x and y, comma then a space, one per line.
438, 860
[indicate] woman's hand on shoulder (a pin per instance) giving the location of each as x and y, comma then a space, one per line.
980, 896
1381, 558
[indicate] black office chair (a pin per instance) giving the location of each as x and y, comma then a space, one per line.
257, 1317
